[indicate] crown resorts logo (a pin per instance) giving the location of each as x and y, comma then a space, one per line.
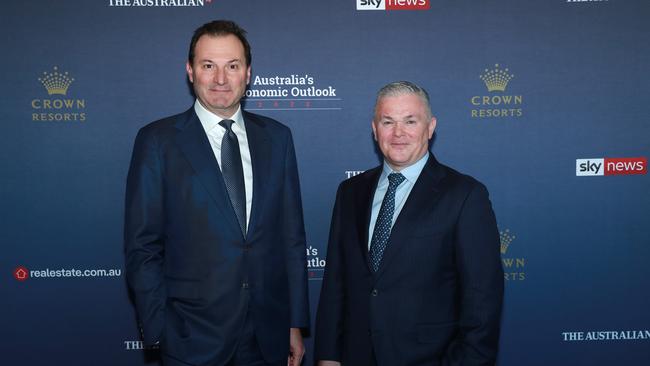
497, 79
496, 104
58, 107
513, 268
56, 83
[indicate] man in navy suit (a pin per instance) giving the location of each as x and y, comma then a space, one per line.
413, 272
214, 233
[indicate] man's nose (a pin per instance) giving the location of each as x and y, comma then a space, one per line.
219, 76
398, 130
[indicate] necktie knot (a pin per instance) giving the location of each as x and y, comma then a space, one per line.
395, 179
227, 124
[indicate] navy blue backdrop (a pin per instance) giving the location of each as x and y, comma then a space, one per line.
546, 102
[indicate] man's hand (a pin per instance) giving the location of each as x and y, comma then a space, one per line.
329, 363
296, 347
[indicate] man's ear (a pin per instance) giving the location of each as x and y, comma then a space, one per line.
188, 69
432, 126
374, 129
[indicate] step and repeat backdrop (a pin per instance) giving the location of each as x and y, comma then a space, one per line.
546, 102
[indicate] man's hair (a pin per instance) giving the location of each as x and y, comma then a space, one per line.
218, 28
397, 88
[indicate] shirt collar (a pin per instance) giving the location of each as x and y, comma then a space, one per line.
411, 172
210, 120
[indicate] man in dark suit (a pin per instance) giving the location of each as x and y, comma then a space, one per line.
413, 272
214, 233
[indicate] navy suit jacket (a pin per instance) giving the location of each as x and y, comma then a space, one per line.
194, 276
436, 298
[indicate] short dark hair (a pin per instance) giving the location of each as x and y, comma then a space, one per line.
217, 28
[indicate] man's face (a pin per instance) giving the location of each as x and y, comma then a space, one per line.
402, 128
219, 73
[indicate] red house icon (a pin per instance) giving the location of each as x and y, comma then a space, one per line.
21, 273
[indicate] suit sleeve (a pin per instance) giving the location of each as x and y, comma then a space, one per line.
143, 236
295, 242
329, 321
479, 267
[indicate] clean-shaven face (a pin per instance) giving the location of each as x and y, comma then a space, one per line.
219, 73
402, 127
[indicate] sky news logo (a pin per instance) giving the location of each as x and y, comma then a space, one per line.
611, 166
393, 4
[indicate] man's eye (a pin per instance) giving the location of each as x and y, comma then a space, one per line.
207, 66
386, 123
410, 122
234, 67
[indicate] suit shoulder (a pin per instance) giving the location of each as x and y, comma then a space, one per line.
364, 179
461, 181
161, 127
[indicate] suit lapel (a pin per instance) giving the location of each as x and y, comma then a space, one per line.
364, 203
259, 144
423, 196
194, 143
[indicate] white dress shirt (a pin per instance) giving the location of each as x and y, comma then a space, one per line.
215, 132
411, 173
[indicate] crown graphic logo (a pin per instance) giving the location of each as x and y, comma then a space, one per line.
56, 82
496, 79
505, 238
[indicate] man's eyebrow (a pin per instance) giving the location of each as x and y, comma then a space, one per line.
207, 60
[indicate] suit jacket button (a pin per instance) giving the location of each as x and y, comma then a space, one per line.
374, 292
245, 285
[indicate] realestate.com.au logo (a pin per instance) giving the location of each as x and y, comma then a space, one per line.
22, 273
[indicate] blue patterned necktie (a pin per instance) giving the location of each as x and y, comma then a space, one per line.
233, 173
384, 221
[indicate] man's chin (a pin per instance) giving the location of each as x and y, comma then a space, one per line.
219, 104
222, 106
398, 158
